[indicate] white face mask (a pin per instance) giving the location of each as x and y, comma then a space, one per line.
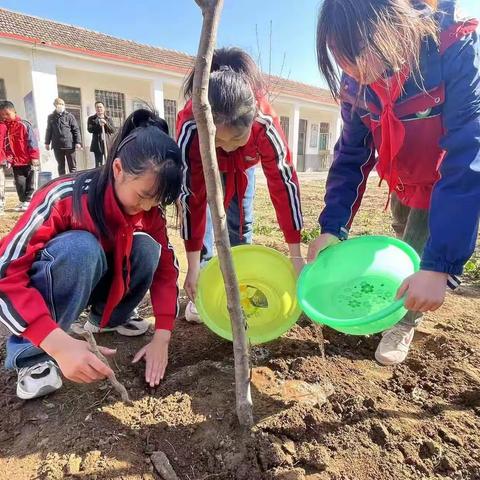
60, 108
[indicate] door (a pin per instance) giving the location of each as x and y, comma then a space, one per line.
302, 140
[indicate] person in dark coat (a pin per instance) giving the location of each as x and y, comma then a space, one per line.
63, 135
94, 126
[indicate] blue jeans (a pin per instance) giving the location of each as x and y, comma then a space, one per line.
233, 220
72, 272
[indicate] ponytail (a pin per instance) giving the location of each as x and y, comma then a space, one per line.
235, 85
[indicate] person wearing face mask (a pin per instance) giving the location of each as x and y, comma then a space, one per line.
63, 136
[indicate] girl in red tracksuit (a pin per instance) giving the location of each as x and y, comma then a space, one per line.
248, 133
98, 238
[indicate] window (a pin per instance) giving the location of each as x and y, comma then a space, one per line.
70, 95
302, 136
114, 105
324, 136
285, 124
170, 115
314, 135
3, 91
73, 102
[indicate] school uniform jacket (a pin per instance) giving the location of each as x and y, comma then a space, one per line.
22, 308
21, 144
267, 146
434, 134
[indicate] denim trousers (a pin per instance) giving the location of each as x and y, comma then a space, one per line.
72, 272
233, 220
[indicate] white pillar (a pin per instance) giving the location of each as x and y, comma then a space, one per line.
294, 133
156, 93
45, 90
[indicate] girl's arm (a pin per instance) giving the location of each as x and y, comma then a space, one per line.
282, 182
354, 159
455, 205
193, 196
164, 297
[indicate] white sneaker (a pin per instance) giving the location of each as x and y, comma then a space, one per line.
38, 380
133, 328
2, 210
393, 348
18, 207
191, 314
24, 206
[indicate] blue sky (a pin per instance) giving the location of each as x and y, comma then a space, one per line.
176, 24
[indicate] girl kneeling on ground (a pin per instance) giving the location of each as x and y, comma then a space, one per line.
98, 239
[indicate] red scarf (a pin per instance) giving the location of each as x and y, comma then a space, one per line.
393, 131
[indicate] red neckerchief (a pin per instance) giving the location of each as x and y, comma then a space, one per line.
236, 180
122, 226
393, 130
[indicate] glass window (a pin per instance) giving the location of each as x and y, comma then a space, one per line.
3, 91
170, 115
114, 105
285, 124
70, 95
324, 136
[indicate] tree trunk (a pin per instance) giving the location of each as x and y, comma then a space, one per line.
211, 10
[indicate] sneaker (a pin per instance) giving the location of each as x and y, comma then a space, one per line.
133, 328
38, 380
2, 210
393, 348
18, 207
24, 206
191, 314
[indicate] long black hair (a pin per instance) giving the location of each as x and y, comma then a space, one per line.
234, 86
142, 144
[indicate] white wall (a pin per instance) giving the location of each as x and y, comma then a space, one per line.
18, 82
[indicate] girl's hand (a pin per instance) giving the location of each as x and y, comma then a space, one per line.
191, 280
296, 257
75, 359
424, 291
156, 357
298, 264
322, 242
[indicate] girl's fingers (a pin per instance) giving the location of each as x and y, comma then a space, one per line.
402, 290
91, 373
148, 371
101, 369
139, 355
107, 351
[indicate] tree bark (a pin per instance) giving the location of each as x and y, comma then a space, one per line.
211, 10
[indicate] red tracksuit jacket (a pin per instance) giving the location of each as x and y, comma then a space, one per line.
267, 146
21, 144
22, 307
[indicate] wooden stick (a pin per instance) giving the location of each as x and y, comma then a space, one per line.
119, 387
211, 10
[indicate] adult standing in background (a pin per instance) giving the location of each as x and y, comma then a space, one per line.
101, 128
63, 133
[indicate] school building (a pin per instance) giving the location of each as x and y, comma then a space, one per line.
41, 59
